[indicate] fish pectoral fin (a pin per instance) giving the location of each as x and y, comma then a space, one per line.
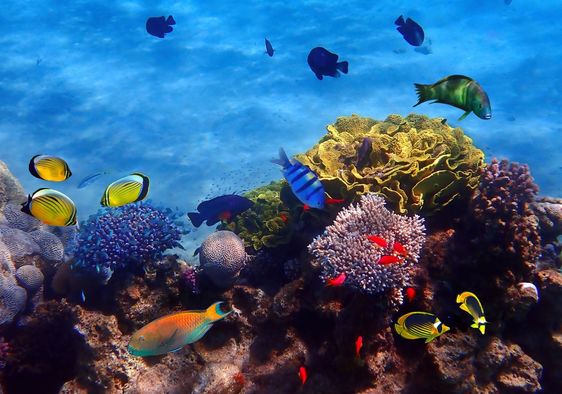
431, 338
465, 115
169, 340
482, 329
474, 325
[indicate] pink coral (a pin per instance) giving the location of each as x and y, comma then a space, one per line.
344, 247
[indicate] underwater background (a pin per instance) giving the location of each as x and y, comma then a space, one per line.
204, 110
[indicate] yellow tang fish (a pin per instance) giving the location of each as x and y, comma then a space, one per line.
50, 207
420, 325
49, 168
471, 304
126, 190
172, 332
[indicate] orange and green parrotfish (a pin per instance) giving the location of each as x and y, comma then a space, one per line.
459, 91
172, 332
471, 304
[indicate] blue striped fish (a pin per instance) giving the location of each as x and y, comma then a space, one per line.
303, 181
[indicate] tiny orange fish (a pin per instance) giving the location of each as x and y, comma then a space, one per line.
283, 217
385, 260
334, 201
305, 207
410, 293
398, 248
337, 281
303, 375
379, 241
358, 346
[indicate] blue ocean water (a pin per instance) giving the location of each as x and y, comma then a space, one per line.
204, 109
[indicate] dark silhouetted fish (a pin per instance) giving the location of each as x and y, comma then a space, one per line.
268, 48
410, 30
323, 62
219, 208
158, 26
364, 153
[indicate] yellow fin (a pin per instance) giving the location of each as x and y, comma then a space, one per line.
482, 329
465, 308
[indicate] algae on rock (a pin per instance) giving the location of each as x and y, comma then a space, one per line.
418, 164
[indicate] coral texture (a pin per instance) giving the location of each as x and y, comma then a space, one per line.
15, 218
222, 255
262, 225
344, 247
124, 238
12, 299
51, 247
502, 218
549, 213
417, 163
30, 278
10, 188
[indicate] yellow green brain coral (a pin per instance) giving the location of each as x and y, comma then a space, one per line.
419, 164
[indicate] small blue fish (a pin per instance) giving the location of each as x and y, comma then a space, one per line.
158, 26
268, 48
91, 179
303, 181
410, 30
323, 62
223, 208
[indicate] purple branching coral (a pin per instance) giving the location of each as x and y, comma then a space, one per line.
501, 213
344, 247
188, 277
125, 238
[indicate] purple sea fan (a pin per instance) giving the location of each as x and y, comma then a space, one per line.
124, 238
344, 247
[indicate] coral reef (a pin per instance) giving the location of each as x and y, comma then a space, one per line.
10, 188
344, 247
222, 255
51, 247
549, 213
418, 164
262, 225
124, 238
12, 299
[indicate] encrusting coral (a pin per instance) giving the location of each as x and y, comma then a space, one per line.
124, 238
418, 164
345, 248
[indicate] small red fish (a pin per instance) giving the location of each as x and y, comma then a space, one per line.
225, 216
379, 241
334, 201
239, 378
305, 207
410, 293
303, 375
385, 260
398, 248
283, 217
337, 281
358, 346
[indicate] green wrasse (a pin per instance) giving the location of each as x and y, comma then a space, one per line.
420, 325
459, 91
172, 332
471, 304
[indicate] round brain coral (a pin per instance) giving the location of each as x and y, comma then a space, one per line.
124, 238
18, 219
345, 249
418, 164
30, 278
222, 256
12, 299
50, 246
18, 242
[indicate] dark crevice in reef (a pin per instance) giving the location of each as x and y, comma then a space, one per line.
44, 352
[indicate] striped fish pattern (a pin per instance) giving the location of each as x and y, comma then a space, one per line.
51, 207
126, 190
420, 325
470, 303
49, 168
303, 181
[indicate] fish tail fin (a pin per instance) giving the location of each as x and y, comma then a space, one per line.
474, 325
170, 20
424, 93
196, 218
283, 160
214, 312
342, 66
399, 21
25, 206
